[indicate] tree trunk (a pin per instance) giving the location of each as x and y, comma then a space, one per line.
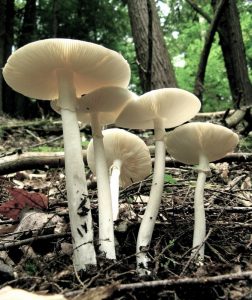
22, 106
7, 14
155, 68
233, 50
2, 46
200, 77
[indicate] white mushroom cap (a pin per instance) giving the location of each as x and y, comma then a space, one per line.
172, 105
108, 102
188, 142
127, 147
32, 69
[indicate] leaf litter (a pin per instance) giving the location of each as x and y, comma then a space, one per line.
34, 214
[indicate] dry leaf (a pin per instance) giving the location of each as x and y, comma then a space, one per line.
21, 199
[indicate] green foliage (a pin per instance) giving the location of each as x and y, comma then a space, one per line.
106, 22
245, 144
30, 267
169, 179
184, 33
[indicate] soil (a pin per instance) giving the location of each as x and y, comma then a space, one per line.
46, 264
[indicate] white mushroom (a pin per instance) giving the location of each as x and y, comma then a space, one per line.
65, 69
200, 143
128, 159
158, 109
98, 108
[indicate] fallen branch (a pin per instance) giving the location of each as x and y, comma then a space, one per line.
16, 243
211, 280
44, 160
168, 283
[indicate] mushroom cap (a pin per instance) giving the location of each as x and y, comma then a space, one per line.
32, 69
187, 142
174, 106
127, 147
108, 102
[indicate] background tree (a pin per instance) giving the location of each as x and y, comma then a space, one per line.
108, 23
6, 43
233, 49
154, 63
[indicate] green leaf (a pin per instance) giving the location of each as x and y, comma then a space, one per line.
169, 179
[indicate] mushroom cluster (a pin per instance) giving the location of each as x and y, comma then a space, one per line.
89, 83
65, 69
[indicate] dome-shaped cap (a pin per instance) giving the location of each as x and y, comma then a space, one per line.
107, 101
187, 142
174, 106
32, 69
127, 147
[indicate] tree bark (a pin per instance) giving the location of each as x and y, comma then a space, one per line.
233, 50
18, 105
7, 14
154, 63
200, 77
2, 44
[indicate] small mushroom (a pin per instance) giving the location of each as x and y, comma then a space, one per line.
65, 69
158, 109
128, 159
98, 108
200, 143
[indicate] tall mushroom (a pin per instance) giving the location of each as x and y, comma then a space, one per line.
200, 143
128, 159
99, 108
65, 69
158, 109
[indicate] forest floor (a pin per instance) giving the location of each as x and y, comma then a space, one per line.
40, 260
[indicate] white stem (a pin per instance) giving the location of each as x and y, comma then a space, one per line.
106, 225
115, 171
199, 232
151, 212
77, 195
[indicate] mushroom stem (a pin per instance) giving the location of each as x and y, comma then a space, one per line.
106, 226
151, 212
199, 232
77, 194
115, 171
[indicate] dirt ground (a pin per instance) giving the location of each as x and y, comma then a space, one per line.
42, 261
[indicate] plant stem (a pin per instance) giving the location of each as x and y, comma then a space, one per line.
77, 194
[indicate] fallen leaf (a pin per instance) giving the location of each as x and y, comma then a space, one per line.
22, 199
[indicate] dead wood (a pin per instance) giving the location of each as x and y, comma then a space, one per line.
203, 281
16, 243
168, 283
46, 160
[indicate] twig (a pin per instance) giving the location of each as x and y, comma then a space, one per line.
171, 283
13, 244
195, 253
211, 280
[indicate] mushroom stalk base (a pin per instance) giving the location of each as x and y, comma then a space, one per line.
115, 172
106, 225
77, 195
151, 212
199, 232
